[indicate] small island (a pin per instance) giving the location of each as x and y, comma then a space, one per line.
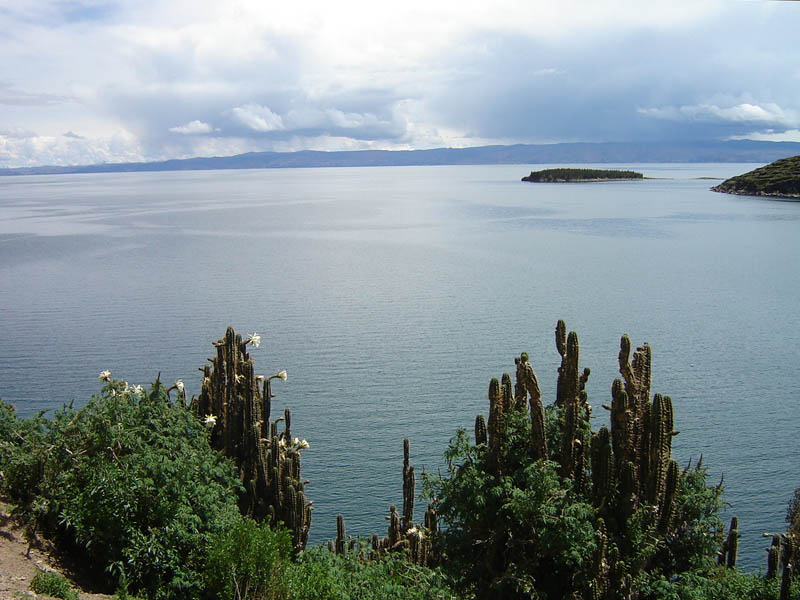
580, 175
780, 178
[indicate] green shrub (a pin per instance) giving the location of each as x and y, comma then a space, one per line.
718, 582
248, 562
513, 535
53, 584
128, 482
322, 575
526, 532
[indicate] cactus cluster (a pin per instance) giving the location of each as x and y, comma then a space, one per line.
781, 556
403, 535
624, 470
236, 404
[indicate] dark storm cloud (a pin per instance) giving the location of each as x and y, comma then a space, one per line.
645, 85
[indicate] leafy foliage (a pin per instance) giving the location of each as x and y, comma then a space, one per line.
512, 533
323, 575
53, 584
719, 582
523, 531
249, 561
129, 482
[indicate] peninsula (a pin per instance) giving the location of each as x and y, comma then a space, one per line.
780, 178
580, 175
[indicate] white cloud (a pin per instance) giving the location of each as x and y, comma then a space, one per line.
333, 118
355, 74
740, 113
790, 135
192, 127
34, 150
16, 133
258, 118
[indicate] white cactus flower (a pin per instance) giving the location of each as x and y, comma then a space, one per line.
137, 390
180, 386
303, 445
282, 375
210, 420
255, 339
105, 375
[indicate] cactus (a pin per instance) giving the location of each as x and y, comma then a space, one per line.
789, 547
268, 463
403, 534
408, 489
341, 539
480, 431
730, 547
625, 470
773, 557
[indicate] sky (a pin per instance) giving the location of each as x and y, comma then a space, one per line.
97, 81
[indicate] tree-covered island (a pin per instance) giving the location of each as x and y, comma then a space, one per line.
780, 178
580, 175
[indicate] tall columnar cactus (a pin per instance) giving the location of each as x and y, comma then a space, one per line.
480, 431
773, 557
408, 489
626, 470
730, 546
341, 538
788, 555
237, 404
403, 534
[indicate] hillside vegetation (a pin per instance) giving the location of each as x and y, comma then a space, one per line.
780, 178
567, 175
164, 498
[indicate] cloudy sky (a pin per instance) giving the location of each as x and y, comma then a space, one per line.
128, 80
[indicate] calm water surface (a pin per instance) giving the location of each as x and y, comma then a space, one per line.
393, 295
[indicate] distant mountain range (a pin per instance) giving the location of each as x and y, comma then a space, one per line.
522, 154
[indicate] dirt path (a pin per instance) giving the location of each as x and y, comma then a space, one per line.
17, 569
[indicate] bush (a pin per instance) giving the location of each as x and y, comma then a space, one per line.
53, 584
513, 535
540, 506
322, 575
129, 482
248, 562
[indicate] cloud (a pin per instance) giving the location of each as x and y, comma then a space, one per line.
422, 74
258, 118
32, 150
16, 133
790, 135
72, 134
193, 127
769, 113
11, 96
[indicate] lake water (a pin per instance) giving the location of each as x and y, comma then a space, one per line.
392, 296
